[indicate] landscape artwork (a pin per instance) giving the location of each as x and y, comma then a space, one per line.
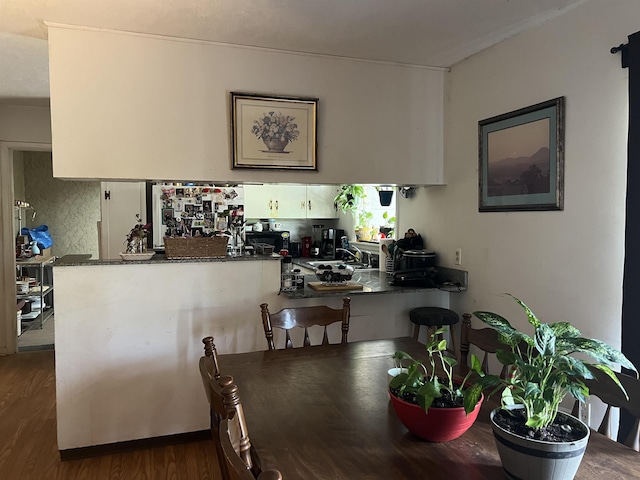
522, 159
518, 160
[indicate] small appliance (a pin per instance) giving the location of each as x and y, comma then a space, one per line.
331, 239
295, 249
280, 240
414, 268
306, 247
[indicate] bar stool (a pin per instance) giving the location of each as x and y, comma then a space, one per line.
433, 318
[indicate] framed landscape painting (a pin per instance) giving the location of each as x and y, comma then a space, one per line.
273, 132
522, 159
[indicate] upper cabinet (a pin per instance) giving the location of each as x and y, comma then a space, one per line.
320, 201
289, 201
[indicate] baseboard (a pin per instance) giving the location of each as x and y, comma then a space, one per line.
34, 348
130, 445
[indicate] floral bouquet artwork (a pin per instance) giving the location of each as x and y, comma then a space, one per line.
276, 131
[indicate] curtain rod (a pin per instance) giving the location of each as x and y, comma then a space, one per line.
624, 48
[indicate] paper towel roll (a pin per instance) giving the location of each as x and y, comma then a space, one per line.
382, 263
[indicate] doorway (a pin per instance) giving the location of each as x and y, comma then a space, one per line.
71, 211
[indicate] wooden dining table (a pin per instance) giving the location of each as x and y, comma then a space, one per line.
323, 412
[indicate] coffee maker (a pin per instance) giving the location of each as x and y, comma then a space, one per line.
331, 239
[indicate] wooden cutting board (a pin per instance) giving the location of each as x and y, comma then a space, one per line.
320, 287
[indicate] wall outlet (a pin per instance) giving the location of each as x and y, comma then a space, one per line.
458, 260
585, 412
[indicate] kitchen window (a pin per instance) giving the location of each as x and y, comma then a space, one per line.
372, 219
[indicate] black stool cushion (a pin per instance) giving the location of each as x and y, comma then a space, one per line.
433, 316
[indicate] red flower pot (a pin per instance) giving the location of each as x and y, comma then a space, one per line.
440, 425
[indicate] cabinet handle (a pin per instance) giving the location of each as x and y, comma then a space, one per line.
270, 205
309, 205
276, 205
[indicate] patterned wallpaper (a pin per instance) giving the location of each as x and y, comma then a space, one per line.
71, 209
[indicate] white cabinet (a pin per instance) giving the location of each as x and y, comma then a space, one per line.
275, 201
289, 201
320, 201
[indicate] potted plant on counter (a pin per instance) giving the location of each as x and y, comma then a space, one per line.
534, 439
430, 403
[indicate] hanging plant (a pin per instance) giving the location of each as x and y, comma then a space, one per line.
386, 195
349, 198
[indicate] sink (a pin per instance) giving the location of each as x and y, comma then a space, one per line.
355, 265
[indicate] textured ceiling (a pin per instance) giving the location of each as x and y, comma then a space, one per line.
420, 32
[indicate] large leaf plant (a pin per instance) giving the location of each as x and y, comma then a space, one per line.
543, 369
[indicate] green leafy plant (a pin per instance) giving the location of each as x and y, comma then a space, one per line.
389, 225
543, 370
349, 197
365, 218
425, 386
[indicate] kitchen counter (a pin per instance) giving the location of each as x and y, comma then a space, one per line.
82, 260
374, 281
137, 327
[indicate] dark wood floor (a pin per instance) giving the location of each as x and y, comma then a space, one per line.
28, 447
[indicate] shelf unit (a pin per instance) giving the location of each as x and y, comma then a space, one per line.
42, 291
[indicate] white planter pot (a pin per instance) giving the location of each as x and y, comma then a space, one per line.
527, 459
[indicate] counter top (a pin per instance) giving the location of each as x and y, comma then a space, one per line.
81, 260
374, 281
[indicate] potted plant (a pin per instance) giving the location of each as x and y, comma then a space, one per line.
364, 225
430, 403
528, 427
385, 194
388, 228
349, 197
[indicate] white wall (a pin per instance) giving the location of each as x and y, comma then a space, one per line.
25, 124
128, 106
566, 265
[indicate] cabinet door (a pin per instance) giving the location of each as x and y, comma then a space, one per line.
126, 200
320, 201
290, 201
258, 201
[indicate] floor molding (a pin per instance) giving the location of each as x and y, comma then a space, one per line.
121, 447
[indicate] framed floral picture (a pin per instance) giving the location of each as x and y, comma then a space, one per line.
522, 159
275, 132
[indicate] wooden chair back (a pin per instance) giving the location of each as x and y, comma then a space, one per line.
237, 452
486, 339
606, 390
305, 317
210, 369
229, 433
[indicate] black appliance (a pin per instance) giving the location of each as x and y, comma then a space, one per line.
414, 268
279, 239
295, 249
413, 259
331, 239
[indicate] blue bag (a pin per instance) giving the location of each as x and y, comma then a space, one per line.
40, 235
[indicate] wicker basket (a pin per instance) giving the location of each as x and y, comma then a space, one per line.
195, 247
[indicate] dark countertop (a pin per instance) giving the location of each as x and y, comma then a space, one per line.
83, 260
377, 282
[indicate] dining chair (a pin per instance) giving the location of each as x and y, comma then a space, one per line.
486, 339
305, 317
237, 451
210, 369
603, 387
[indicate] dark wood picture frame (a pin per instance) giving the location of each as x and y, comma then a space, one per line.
273, 132
522, 159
